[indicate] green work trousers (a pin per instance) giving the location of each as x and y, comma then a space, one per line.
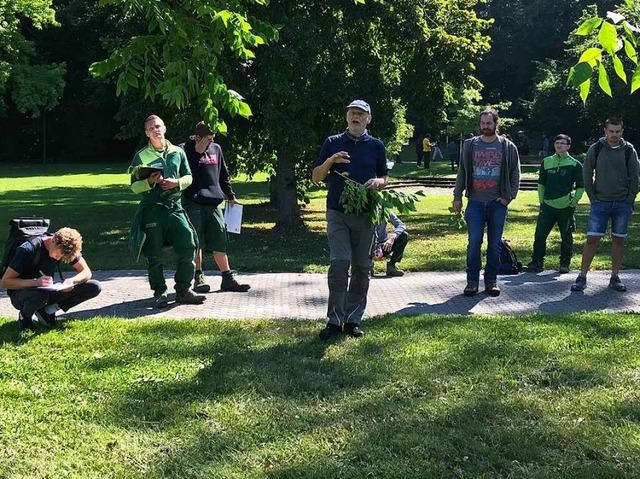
547, 218
163, 225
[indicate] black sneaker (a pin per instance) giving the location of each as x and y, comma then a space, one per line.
353, 330
25, 323
160, 301
580, 284
189, 297
534, 267
564, 269
229, 283
330, 331
615, 283
393, 271
471, 289
46, 319
199, 285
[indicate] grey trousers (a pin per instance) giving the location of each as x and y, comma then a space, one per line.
350, 244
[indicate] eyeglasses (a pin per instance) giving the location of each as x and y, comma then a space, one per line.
559, 143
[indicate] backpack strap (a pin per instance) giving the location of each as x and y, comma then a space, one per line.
38, 244
627, 152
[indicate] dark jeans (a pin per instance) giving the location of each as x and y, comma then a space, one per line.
493, 214
350, 244
28, 301
397, 250
547, 219
419, 154
454, 161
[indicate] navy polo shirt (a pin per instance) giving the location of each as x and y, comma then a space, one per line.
368, 159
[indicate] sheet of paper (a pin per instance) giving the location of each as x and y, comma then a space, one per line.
54, 287
233, 218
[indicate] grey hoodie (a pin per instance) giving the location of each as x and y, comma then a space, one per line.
615, 178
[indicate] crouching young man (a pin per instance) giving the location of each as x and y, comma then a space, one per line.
31, 271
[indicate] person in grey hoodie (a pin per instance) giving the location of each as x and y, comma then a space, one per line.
489, 175
614, 163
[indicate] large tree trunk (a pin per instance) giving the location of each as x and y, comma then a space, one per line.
288, 215
273, 191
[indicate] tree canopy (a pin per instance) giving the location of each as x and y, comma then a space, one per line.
30, 86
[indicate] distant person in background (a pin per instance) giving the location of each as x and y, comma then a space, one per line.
391, 245
454, 155
522, 143
437, 152
419, 152
544, 147
426, 150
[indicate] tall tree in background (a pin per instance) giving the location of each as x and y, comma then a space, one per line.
394, 54
525, 32
31, 86
174, 58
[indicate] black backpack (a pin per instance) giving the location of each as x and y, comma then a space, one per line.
509, 263
24, 229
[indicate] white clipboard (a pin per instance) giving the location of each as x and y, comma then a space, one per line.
233, 217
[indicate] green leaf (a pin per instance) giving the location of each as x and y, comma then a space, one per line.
603, 79
628, 30
619, 68
579, 74
244, 110
635, 80
608, 37
590, 55
588, 26
630, 51
584, 90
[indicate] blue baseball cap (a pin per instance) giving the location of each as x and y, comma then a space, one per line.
363, 105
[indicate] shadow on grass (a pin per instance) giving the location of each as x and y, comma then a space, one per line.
469, 404
103, 216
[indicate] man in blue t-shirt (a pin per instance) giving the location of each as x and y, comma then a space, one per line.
364, 159
29, 278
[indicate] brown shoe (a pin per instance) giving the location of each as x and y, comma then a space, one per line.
492, 289
189, 297
471, 289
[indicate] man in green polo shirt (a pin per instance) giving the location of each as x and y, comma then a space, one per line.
159, 173
560, 187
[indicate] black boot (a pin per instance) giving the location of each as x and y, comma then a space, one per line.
229, 283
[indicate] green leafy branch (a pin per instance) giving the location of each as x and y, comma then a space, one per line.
373, 204
614, 33
457, 218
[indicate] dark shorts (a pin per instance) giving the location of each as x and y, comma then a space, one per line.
208, 221
601, 211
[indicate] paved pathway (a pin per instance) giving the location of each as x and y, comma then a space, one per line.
303, 296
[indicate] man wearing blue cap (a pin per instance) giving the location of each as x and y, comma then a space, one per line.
363, 158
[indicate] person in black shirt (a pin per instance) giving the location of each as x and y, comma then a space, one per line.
202, 201
29, 278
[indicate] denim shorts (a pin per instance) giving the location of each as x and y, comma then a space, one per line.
601, 211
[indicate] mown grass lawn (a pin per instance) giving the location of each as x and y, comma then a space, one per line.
96, 199
419, 397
